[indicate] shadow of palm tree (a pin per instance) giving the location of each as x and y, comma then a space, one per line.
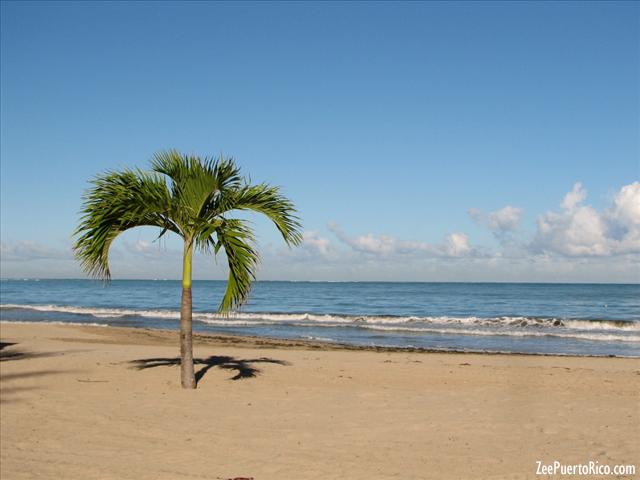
12, 354
243, 367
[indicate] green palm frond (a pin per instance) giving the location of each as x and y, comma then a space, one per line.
117, 202
204, 240
266, 199
195, 182
237, 240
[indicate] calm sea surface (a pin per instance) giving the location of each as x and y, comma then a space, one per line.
578, 319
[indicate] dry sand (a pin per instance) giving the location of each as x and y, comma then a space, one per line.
74, 408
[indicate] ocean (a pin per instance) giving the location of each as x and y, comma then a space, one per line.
566, 319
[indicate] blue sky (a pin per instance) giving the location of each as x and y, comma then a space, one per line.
420, 141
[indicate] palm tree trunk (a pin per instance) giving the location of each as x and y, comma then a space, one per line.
187, 375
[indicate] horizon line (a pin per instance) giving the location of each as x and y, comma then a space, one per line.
320, 281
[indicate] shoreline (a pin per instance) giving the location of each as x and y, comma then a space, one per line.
545, 320
222, 339
106, 402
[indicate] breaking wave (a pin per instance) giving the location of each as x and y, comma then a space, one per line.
518, 326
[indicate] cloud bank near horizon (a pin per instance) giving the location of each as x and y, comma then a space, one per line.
574, 242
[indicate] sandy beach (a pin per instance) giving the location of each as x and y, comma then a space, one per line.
84, 402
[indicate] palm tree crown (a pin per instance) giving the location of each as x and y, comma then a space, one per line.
191, 197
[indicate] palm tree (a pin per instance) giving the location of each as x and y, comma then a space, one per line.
195, 204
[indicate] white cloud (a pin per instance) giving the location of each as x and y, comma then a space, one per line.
574, 197
312, 241
369, 243
140, 246
504, 225
315, 251
626, 205
504, 220
455, 245
27, 250
149, 250
624, 219
578, 232
581, 230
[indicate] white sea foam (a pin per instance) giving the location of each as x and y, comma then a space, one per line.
513, 333
518, 326
97, 312
80, 324
319, 339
